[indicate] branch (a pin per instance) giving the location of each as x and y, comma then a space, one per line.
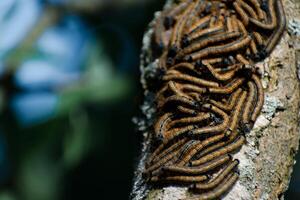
267, 159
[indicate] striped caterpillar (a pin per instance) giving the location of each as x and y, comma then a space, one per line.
209, 93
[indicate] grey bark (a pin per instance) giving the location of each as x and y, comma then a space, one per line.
266, 161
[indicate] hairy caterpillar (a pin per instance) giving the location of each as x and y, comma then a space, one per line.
210, 93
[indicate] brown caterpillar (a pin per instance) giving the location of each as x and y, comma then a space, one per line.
210, 93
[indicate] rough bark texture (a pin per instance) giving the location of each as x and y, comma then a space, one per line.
267, 160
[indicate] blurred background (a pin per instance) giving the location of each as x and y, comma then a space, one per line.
69, 87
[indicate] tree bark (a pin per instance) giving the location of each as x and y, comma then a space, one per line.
267, 159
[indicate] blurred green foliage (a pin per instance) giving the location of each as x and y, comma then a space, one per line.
86, 145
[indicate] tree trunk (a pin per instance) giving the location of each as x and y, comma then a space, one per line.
267, 159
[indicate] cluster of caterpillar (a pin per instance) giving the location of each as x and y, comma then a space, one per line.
210, 93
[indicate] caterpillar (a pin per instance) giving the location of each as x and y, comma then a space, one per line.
210, 93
